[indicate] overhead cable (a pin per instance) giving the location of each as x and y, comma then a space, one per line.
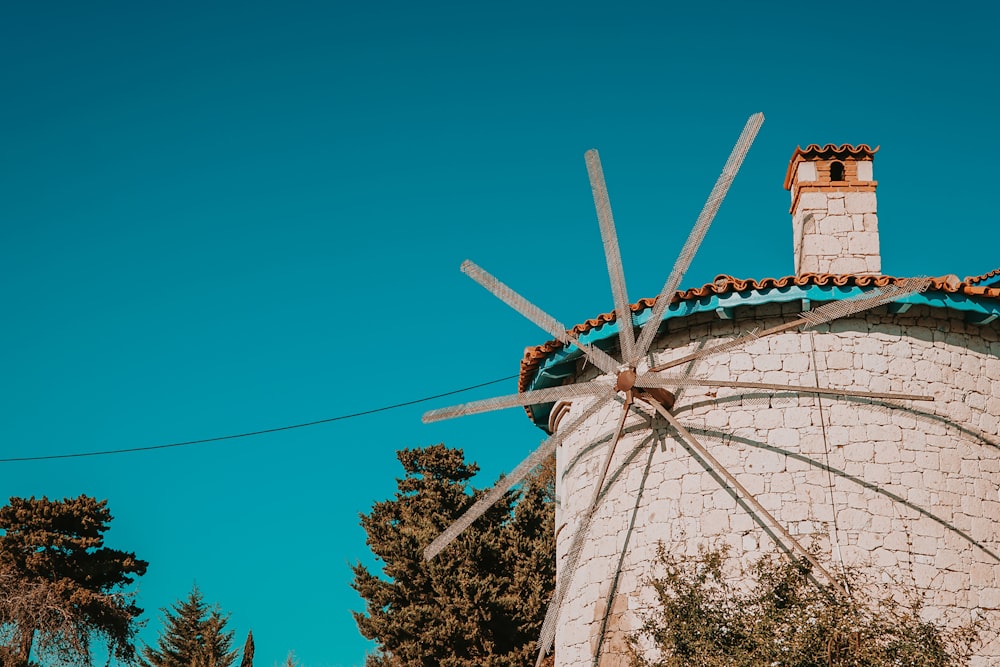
249, 434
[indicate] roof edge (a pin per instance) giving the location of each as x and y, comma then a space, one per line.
728, 292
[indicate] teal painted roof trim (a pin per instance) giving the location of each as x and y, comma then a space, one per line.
562, 364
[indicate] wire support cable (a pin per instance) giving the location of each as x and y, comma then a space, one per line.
249, 434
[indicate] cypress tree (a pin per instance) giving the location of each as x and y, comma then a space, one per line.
247, 660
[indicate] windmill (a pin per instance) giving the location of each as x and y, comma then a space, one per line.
630, 384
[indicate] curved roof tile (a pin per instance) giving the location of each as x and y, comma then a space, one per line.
973, 280
827, 152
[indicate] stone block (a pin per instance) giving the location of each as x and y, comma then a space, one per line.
848, 265
860, 452
811, 201
821, 244
806, 172
863, 243
839, 360
835, 225
884, 432
896, 541
900, 349
793, 511
768, 362
795, 363
754, 483
785, 438
837, 435
865, 172
715, 522
796, 417
766, 462
928, 460
717, 419
989, 598
900, 367
740, 419
810, 264
740, 361
691, 504
885, 558
727, 456
765, 420
843, 414
886, 452
741, 522
860, 202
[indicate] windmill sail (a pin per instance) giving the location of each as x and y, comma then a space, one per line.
612, 254
698, 232
491, 497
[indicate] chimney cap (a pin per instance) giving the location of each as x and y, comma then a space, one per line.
827, 152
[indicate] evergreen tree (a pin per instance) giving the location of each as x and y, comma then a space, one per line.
247, 660
482, 600
60, 586
194, 635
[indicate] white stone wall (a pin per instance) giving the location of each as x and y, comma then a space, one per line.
910, 493
836, 231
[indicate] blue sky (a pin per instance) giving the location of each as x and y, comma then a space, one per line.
234, 217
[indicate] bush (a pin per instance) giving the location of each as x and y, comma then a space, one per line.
786, 619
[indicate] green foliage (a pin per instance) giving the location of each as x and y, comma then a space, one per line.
482, 600
60, 586
786, 620
194, 635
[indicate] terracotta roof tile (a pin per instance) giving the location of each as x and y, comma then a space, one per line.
827, 152
535, 356
973, 280
813, 151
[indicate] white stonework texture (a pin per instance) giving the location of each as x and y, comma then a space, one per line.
915, 493
836, 231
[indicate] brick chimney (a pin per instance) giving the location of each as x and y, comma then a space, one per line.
834, 211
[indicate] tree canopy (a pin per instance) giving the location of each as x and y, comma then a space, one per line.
194, 635
482, 600
60, 586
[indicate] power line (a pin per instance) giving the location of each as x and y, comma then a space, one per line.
234, 436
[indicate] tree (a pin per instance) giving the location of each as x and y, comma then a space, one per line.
247, 660
194, 635
786, 618
60, 586
482, 600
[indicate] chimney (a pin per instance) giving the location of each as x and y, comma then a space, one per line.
834, 212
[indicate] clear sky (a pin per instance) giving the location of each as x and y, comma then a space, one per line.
232, 216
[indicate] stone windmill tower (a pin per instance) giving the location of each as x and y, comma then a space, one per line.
837, 408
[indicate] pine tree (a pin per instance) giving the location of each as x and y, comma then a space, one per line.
60, 586
478, 603
194, 635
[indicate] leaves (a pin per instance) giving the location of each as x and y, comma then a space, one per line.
785, 619
59, 584
481, 601
194, 635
